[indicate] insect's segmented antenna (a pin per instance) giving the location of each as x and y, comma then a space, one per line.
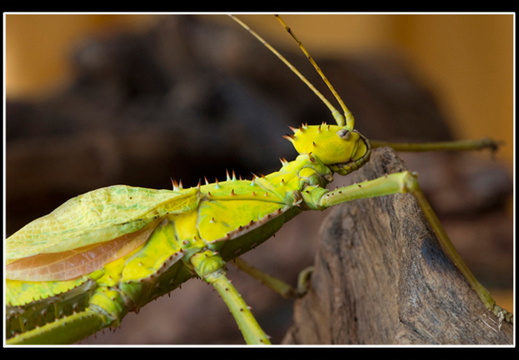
347, 113
341, 120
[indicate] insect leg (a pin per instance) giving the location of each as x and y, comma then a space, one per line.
210, 267
279, 286
405, 182
457, 145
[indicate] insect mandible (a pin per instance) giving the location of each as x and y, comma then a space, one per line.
114, 249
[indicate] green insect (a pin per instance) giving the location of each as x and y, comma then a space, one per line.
110, 251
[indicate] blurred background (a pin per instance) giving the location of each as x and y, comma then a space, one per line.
466, 58
94, 100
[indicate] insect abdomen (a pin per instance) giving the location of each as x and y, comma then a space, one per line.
21, 318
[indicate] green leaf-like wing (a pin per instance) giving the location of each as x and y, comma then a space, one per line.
97, 216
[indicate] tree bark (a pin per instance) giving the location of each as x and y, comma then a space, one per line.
380, 277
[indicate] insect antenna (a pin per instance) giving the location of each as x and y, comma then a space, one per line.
346, 119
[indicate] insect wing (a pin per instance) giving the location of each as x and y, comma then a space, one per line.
97, 216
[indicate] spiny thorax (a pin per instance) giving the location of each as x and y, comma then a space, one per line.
295, 175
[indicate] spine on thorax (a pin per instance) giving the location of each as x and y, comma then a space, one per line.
294, 176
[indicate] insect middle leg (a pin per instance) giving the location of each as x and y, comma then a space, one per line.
211, 268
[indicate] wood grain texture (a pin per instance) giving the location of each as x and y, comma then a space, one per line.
381, 277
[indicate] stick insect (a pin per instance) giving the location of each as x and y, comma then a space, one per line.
102, 254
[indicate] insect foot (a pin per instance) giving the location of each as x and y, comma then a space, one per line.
303, 281
502, 315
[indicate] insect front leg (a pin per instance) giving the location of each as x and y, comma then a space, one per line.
403, 182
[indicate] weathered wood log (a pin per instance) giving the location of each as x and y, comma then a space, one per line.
380, 277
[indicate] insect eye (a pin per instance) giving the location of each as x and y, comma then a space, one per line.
344, 134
